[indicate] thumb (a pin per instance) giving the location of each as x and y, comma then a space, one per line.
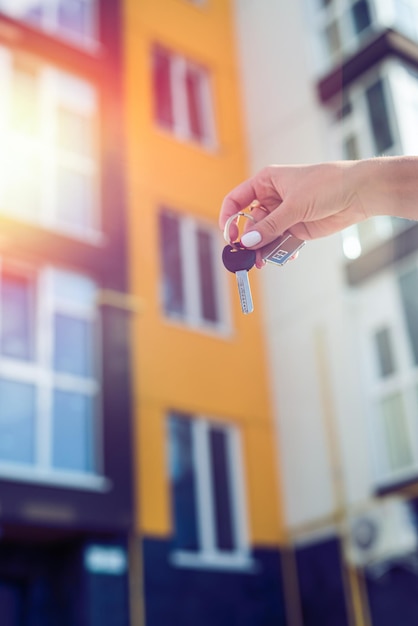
270, 227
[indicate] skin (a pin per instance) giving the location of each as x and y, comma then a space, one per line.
312, 201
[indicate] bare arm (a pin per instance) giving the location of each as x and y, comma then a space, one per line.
313, 201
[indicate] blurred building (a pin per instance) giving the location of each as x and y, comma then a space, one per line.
325, 79
65, 414
209, 521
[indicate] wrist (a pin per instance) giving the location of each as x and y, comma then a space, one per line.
388, 186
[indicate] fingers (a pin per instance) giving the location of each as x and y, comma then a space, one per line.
269, 228
237, 200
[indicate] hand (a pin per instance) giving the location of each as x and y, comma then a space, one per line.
309, 201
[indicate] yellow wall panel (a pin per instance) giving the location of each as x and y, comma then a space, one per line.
223, 376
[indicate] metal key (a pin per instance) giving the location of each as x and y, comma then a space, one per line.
239, 261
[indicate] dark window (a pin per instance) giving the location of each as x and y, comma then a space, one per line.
361, 15
183, 483
190, 290
351, 148
194, 101
221, 487
206, 276
379, 117
170, 249
385, 357
163, 97
408, 284
182, 101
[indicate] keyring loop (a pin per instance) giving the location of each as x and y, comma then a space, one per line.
256, 204
232, 219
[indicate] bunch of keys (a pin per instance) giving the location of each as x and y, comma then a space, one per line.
240, 260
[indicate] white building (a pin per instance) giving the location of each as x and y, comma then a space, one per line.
326, 79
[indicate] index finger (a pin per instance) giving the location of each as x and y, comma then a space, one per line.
237, 200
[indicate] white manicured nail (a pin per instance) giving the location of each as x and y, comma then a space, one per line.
251, 239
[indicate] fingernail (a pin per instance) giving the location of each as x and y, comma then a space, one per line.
251, 239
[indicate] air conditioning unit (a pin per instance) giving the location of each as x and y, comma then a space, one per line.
385, 530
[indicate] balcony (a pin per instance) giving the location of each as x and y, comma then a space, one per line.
344, 27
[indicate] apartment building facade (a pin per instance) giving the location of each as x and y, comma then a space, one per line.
65, 407
208, 512
339, 81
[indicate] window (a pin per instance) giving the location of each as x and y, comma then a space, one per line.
379, 117
182, 97
340, 28
389, 324
370, 119
193, 287
408, 286
48, 373
73, 20
207, 493
406, 17
384, 352
48, 145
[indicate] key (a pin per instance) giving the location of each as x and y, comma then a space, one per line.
239, 261
282, 249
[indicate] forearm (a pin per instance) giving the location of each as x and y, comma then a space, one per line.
388, 186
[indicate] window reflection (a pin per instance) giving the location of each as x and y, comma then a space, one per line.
17, 416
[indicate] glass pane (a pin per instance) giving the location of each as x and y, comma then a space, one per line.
17, 417
208, 298
28, 10
25, 96
173, 287
75, 198
194, 78
17, 317
73, 288
385, 357
73, 432
361, 15
73, 345
351, 149
408, 284
73, 17
183, 483
75, 132
379, 117
395, 432
222, 490
332, 38
406, 18
163, 100
22, 175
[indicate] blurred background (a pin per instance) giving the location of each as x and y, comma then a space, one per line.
164, 459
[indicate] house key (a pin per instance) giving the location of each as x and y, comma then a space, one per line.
239, 261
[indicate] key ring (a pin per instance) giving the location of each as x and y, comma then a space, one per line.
231, 219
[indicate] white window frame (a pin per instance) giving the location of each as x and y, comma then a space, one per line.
339, 12
50, 24
56, 88
189, 226
40, 373
179, 65
383, 14
361, 237
209, 556
404, 380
